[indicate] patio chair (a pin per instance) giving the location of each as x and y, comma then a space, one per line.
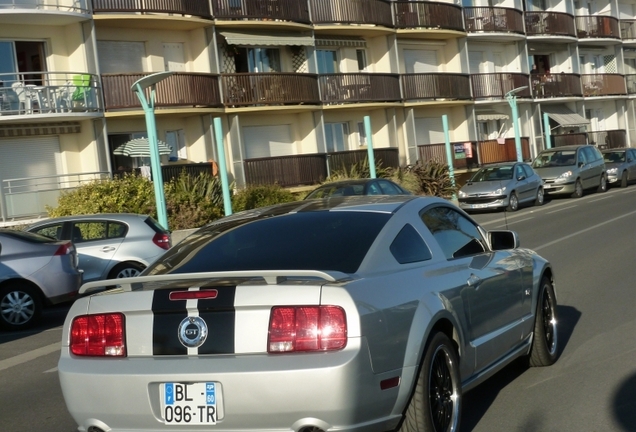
82, 94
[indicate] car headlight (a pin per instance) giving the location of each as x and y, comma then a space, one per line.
500, 191
462, 194
612, 171
563, 177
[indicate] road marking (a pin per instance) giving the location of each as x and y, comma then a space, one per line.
602, 198
514, 221
558, 210
51, 370
583, 231
28, 356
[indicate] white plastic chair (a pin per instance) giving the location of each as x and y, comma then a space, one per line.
25, 103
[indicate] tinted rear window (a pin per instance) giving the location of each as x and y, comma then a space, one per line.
300, 241
155, 225
27, 236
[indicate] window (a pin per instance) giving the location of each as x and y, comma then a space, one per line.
121, 56
18, 58
389, 188
529, 172
256, 60
361, 56
53, 231
409, 247
337, 136
456, 235
327, 61
97, 230
362, 134
124, 163
176, 142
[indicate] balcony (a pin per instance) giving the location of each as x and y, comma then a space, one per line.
195, 8
259, 89
178, 90
261, 10
436, 86
428, 15
603, 85
483, 152
49, 94
631, 84
602, 139
628, 30
369, 12
496, 85
493, 19
595, 26
359, 88
550, 24
559, 85
59, 12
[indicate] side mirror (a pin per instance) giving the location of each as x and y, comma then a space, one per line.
504, 239
521, 177
0, 248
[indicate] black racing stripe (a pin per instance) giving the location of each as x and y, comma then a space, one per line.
165, 328
219, 315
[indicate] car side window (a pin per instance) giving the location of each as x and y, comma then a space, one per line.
409, 247
590, 154
582, 159
528, 170
53, 231
456, 235
374, 189
116, 230
88, 231
519, 172
388, 188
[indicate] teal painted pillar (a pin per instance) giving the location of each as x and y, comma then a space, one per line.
512, 100
546, 129
367, 131
449, 152
220, 150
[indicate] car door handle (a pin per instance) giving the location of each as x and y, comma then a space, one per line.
474, 281
107, 249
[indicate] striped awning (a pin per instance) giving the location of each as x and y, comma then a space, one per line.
491, 115
564, 116
269, 39
341, 42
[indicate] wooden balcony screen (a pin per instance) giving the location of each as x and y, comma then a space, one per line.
427, 14
491, 151
248, 89
603, 139
549, 23
558, 140
493, 19
179, 7
285, 10
435, 86
437, 152
376, 12
359, 87
628, 29
496, 85
603, 85
180, 89
596, 26
556, 85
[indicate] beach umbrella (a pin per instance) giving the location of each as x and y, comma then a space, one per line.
139, 147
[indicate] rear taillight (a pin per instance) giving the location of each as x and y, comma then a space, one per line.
307, 328
99, 335
162, 240
65, 249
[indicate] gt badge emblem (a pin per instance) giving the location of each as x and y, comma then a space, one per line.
193, 332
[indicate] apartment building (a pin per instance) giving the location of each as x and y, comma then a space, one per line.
292, 82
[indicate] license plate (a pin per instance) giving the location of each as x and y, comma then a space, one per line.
189, 404
547, 186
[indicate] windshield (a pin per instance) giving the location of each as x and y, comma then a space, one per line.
555, 158
614, 157
493, 174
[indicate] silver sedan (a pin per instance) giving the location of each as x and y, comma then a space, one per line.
344, 314
621, 166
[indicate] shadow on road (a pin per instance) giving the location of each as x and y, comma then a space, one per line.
51, 317
624, 404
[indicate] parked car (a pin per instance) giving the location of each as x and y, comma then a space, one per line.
370, 186
503, 185
621, 165
348, 313
35, 272
110, 245
571, 170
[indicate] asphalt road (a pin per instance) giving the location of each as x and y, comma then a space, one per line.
592, 387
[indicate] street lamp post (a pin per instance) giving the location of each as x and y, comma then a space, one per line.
148, 106
511, 96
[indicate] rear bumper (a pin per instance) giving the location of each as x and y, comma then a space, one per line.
332, 391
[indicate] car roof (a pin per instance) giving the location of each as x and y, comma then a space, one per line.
351, 181
566, 147
615, 149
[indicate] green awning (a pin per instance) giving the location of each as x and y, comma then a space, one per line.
564, 116
269, 39
341, 42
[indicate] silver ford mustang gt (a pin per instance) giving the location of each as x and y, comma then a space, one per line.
357, 314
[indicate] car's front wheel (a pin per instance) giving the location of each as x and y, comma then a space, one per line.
602, 186
435, 405
20, 306
545, 341
578, 189
124, 270
513, 202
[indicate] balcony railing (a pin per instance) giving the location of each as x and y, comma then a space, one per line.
248, 89
76, 6
603, 85
596, 26
630, 80
437, 152
426, 14
284, 10
549, 23
180, 89
376, 12
45, 93
181, 7
435, 86
308, 169
359, 87
493, 19
496, 85
556, 85
602, 139
628, 29
483, 152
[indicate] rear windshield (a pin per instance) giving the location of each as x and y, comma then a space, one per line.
324, 241
337, 190
155, 225
27, 236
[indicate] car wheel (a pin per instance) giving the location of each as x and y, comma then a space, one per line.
20, 306
602, 186
624, 179
436, 402
124, 270
540, 199
513, 202
578, 189
545, 341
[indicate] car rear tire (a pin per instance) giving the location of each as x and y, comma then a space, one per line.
513, 202
624, 179
602, 186
124, 270
578, 189
20, 306
435, 405
540, 199
545, 341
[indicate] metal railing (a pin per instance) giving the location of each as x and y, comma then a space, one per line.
29, 196
549, 23
615, 138
359, 87
75, 6
435, 86
181, 7
597, 26
376, 12
603, 85
180, 89
628, 29
249, 89
38, 93
284, 10
493, 19
555, 85
427, 14
496, 85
